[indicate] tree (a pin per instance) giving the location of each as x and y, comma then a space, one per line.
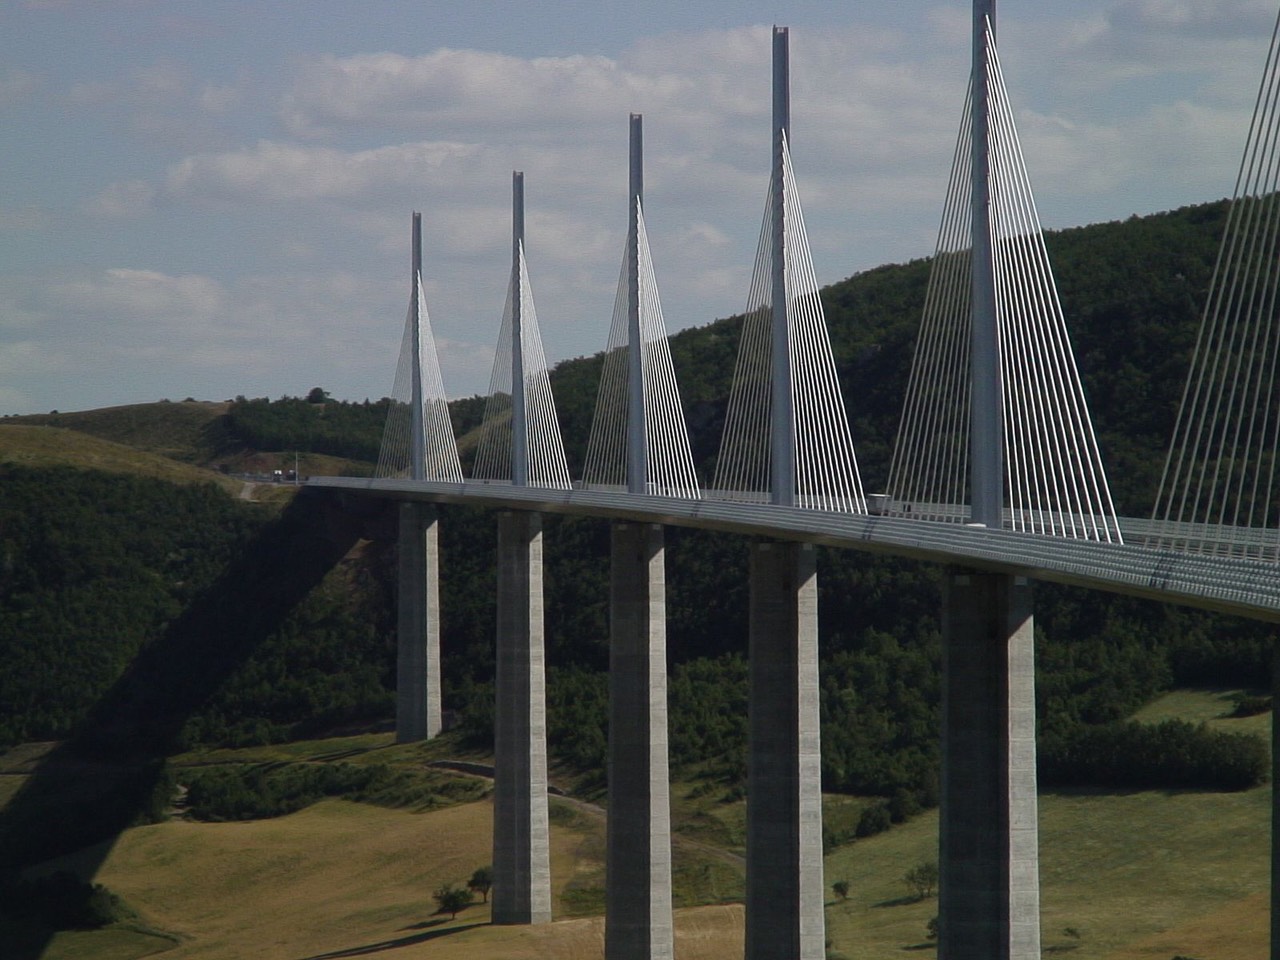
317, 395
922, 879
481, 881
451, 900
841, 888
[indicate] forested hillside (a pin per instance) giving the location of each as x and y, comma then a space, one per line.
94, 568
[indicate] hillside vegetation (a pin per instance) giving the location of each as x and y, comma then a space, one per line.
43, 447
1131, 292
145, 610
174, 430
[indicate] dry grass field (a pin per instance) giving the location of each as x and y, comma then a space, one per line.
345, 880
1125, 876
46, 446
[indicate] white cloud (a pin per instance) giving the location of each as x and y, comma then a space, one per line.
1200, 20
183, 334
163, 81
220, 99
461, 88
1123, 106
142, 296
126, 199
275, 171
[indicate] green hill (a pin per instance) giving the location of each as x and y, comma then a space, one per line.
60, 446
1130, 291
145, 609
178, 431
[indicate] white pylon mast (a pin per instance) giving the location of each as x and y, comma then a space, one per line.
519, 413
637, 445
417, 441
783, 420
986, 428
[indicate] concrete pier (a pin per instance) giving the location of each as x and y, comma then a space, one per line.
989, 890
1275, 805
521, 836
418, 624
638, 921
784, 790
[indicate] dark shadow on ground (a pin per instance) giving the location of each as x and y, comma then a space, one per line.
897, 902
424, 925
105, 777
396, 944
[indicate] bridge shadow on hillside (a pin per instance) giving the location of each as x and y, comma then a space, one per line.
109, 775
370, 949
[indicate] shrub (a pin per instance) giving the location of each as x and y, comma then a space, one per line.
63, 901
273, 790
481, 881
903, 805
452, 900
1250, 706
1173, 754
875, 819
922, 879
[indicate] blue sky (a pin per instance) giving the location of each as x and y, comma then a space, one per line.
211, 199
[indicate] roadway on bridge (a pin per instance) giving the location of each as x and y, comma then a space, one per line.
1248, 588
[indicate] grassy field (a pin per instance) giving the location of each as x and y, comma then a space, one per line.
344, 879
170, 441
1132, 876
44, 446
173, 430
1123, 876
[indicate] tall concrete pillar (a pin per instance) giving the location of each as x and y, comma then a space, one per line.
521, 835
1275, 803
418, 625
989, 892
784, 777
638, 922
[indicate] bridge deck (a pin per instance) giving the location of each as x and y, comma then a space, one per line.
1248, 588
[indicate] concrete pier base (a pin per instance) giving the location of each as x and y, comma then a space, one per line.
1275, 804
784, 790
418, 624
989, 889
638, 921
521, 836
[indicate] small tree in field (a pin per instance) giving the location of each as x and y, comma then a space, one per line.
481, 882
922, 879
841, 888
452, 900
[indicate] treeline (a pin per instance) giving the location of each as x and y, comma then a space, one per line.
319, 425
255, 792
1172, 754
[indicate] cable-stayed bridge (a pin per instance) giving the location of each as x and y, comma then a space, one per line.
995, 472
